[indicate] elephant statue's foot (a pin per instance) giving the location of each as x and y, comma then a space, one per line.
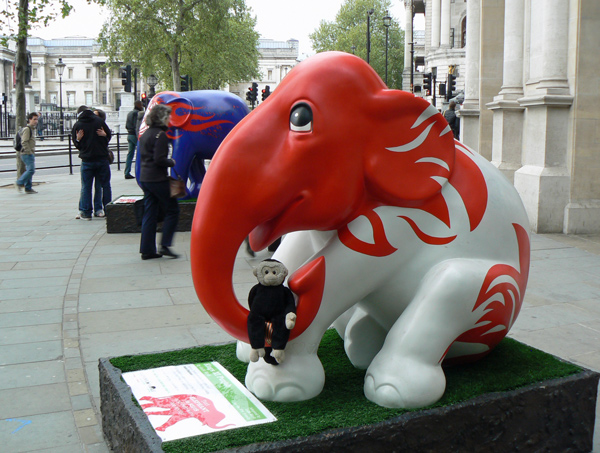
299, 378
242, 351
404, 383
363, 338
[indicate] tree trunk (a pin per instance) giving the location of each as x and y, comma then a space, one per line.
21, 63
175, 68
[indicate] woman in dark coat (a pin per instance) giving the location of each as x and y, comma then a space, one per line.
154, 181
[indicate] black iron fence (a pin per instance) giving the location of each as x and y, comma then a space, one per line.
48, 123
57, 145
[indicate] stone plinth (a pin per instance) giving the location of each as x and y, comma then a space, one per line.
127, 217
554, 415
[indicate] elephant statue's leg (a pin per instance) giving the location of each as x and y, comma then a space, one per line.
363, 338
301, 376
407, 372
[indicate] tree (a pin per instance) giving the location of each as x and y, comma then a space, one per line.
350, 29
213, 41
26, 13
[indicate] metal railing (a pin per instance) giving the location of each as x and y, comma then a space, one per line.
57, 145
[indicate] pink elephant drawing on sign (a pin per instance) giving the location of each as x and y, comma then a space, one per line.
413, 246
181, 407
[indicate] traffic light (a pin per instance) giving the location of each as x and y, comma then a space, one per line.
427, 82
266, 92
249, 94
28, 69
144, 99
451, 86
126, 78
185, 83
254, 91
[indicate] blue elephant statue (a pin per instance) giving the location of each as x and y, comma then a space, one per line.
200, 120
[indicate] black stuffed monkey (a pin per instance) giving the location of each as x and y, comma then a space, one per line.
270, 303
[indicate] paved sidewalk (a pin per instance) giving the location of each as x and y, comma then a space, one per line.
70, 294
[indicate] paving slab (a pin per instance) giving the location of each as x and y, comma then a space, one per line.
93, 297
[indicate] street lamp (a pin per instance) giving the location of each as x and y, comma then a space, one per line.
60, 68
387, 21
151, 81
371, 11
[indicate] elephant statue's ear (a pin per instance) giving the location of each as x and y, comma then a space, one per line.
411, 152
181, 111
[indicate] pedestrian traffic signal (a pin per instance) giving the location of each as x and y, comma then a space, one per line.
427, 82
185, 83
451, 86
126, 78
266, 92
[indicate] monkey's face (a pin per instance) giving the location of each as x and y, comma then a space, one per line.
270, 273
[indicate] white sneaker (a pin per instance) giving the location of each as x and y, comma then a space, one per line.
99, 214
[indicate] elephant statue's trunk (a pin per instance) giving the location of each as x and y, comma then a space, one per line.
216, 238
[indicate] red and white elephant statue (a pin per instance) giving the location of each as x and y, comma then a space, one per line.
413, 246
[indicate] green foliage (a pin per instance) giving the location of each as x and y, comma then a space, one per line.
213, 41
342, 404
350, 29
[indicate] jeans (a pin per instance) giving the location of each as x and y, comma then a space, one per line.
26, 177
90, 171
132, 145
158, 194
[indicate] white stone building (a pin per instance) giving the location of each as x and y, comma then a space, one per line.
87, 80
439, 49
277, 59
531, 75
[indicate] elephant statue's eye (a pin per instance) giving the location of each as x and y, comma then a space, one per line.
301, 118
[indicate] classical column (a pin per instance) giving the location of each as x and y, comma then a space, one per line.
544, 180
445, 24
43, 86
109, 88
95, 84
508, 113
408, 37
469, 113
435, 23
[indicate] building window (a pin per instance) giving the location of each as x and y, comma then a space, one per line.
36, 98
53, 98
88, 98
463, 30
104, 98
35, 74
70, 73
70, 99
270, 75
102, 71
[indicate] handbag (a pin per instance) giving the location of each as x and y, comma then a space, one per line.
111, 157
176, 186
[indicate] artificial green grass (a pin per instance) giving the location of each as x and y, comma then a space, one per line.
342, 404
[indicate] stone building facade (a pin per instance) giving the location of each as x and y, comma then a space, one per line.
531, 76
87, 80
439, 49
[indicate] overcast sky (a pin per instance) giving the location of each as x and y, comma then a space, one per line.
276, 19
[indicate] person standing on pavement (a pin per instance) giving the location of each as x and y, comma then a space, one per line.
132, 137
27, 154
154, 181
90, 135
453, 121
100, 201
